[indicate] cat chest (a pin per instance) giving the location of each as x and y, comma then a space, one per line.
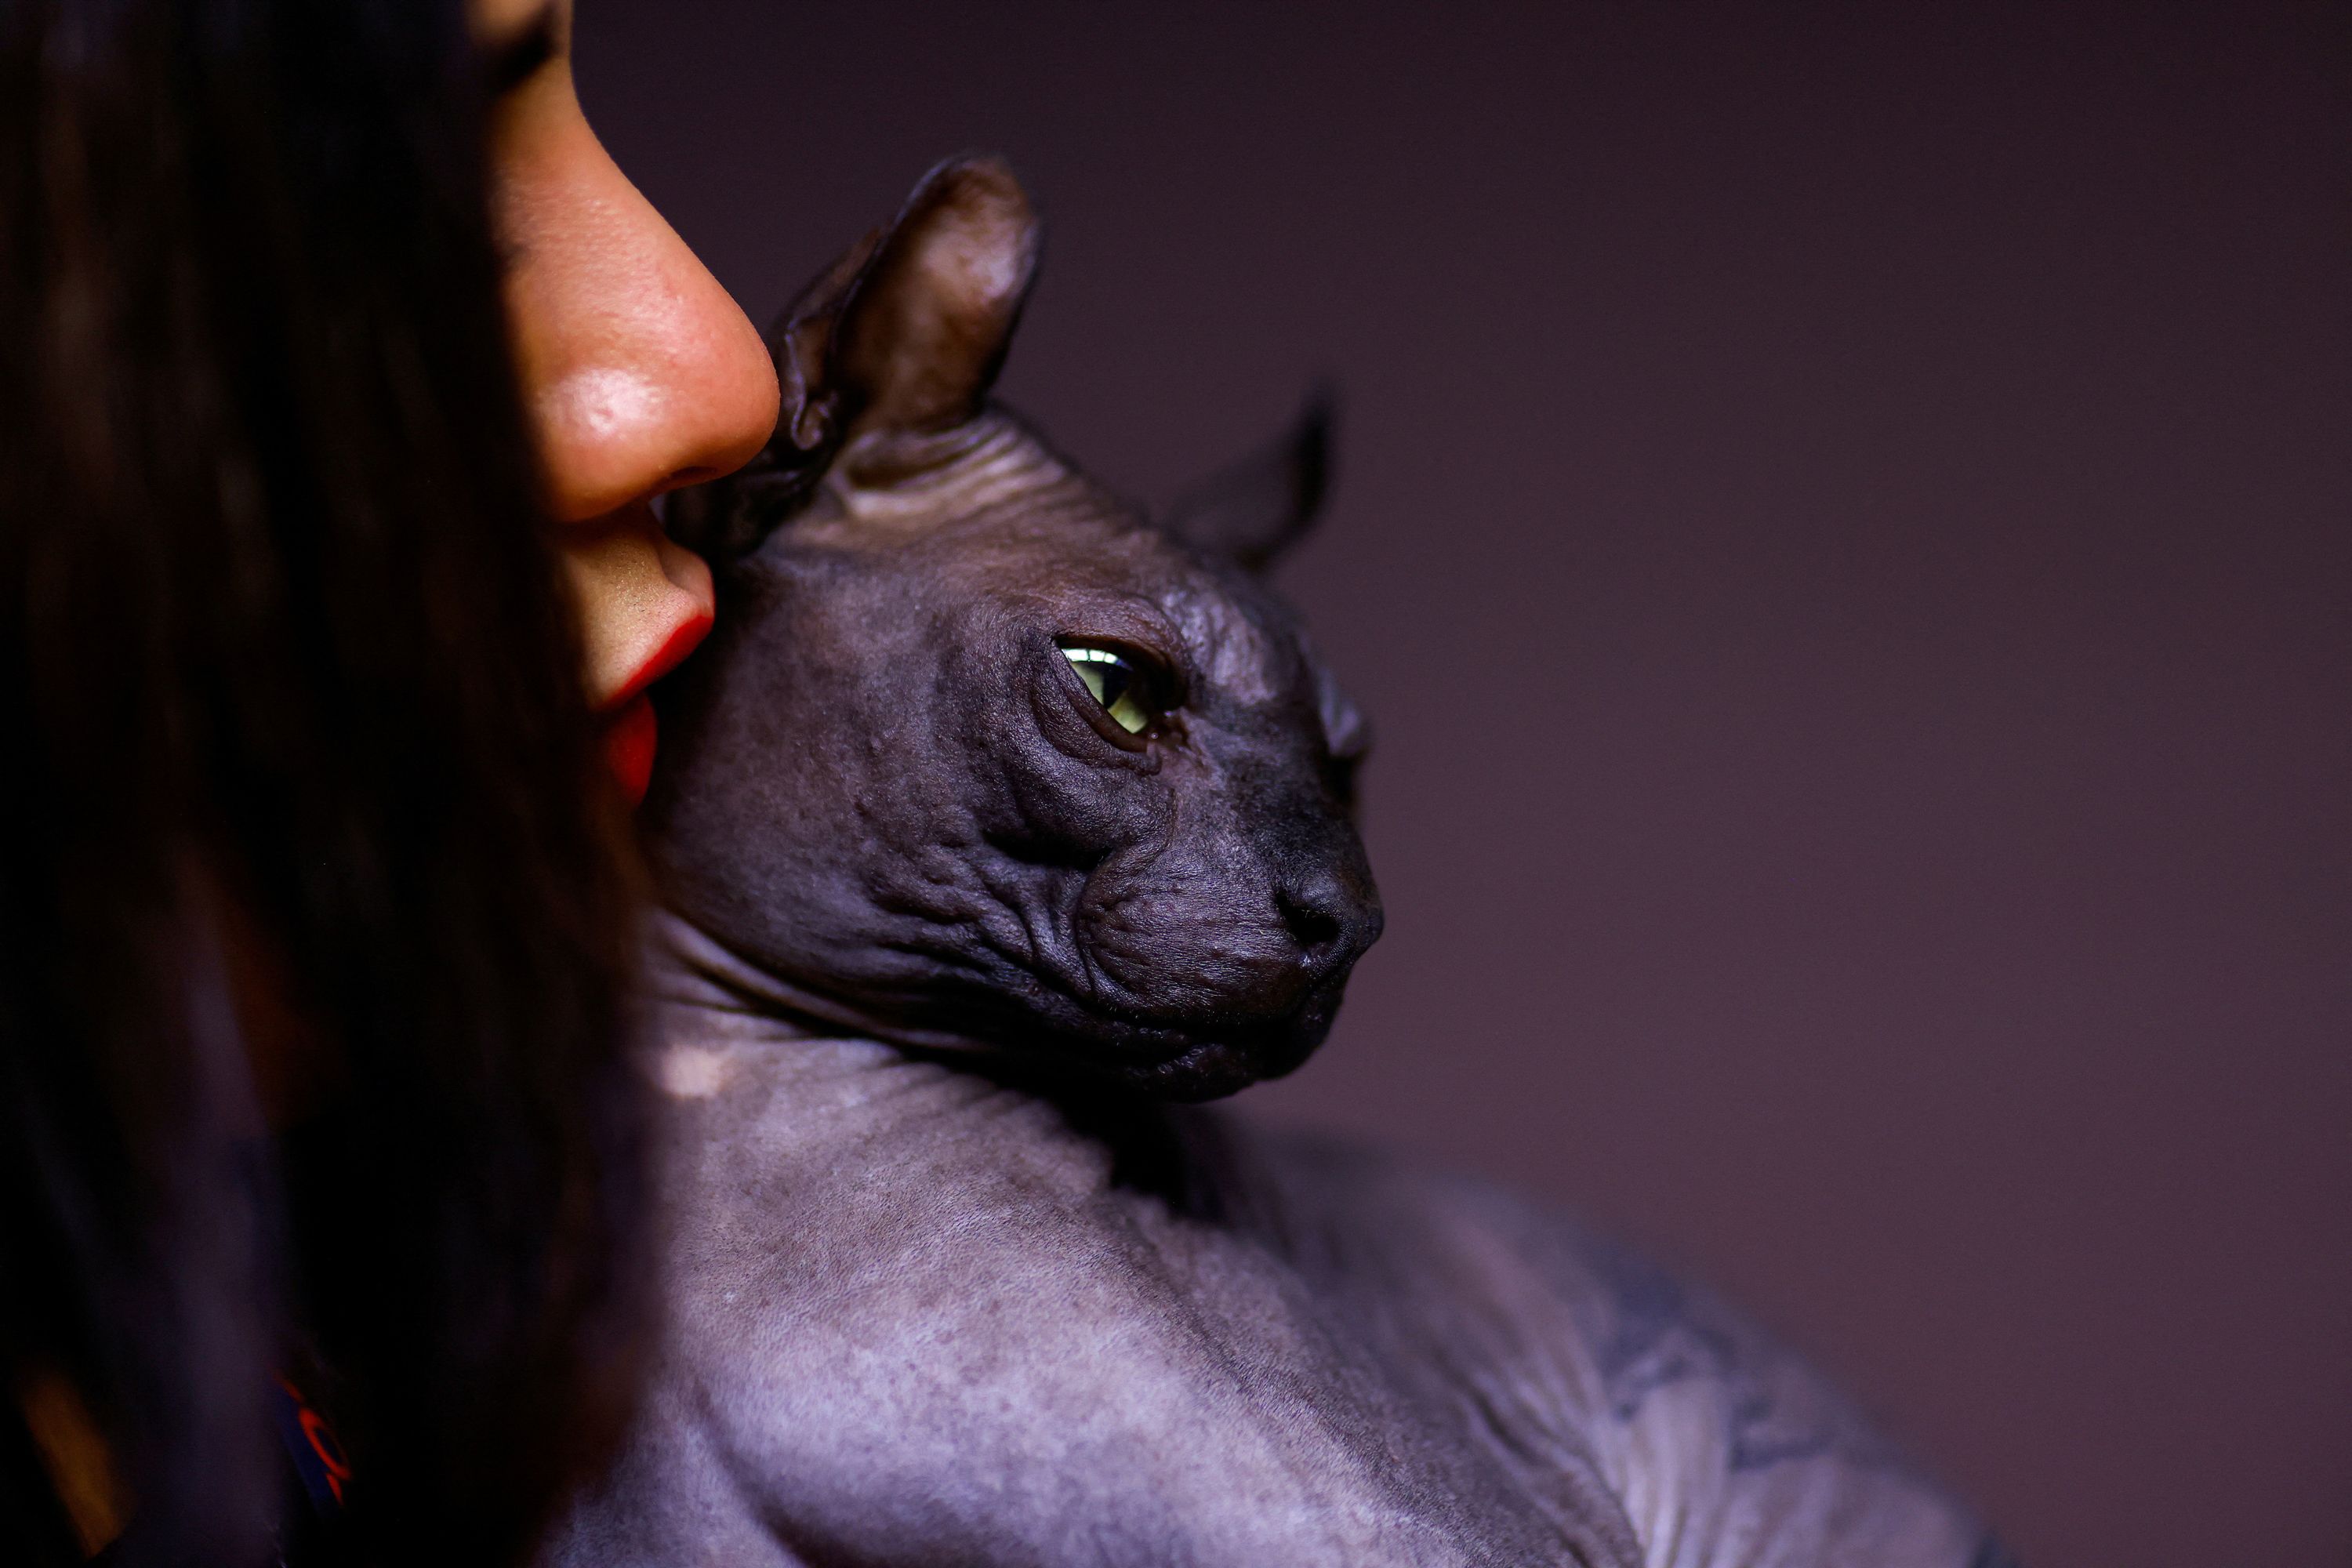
919, 1359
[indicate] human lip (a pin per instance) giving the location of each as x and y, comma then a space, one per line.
629, 740
631, 732
683, 639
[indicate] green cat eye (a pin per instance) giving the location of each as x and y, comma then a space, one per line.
1117, 683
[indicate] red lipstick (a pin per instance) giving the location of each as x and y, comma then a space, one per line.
629, 738
666, 658
631, 730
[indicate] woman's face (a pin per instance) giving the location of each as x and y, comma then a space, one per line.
640, 372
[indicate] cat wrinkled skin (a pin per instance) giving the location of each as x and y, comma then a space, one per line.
952, 1278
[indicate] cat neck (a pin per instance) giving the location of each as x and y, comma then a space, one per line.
692, 976
725, 1030
700, 986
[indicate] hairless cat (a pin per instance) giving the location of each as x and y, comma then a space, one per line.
997, 822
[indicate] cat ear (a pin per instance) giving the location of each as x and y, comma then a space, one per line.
924, 332
906, 330
1260, 506
729, 516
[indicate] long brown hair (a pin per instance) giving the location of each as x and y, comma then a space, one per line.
288, 689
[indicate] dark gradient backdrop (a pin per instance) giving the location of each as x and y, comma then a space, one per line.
1843, 533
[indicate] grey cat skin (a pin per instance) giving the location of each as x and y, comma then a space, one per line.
998, 822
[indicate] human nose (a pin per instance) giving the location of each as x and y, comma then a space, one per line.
639, 371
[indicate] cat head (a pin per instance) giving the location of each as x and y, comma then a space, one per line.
981, 757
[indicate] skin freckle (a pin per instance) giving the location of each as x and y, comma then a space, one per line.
691, 1072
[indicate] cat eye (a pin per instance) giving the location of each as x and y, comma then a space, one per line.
1121, 685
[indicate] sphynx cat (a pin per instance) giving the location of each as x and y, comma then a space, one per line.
998, 823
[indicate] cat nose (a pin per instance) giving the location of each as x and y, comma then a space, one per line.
1331, 921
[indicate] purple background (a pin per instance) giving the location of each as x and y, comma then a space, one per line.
1845, 532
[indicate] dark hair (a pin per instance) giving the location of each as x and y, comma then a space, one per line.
292, 713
